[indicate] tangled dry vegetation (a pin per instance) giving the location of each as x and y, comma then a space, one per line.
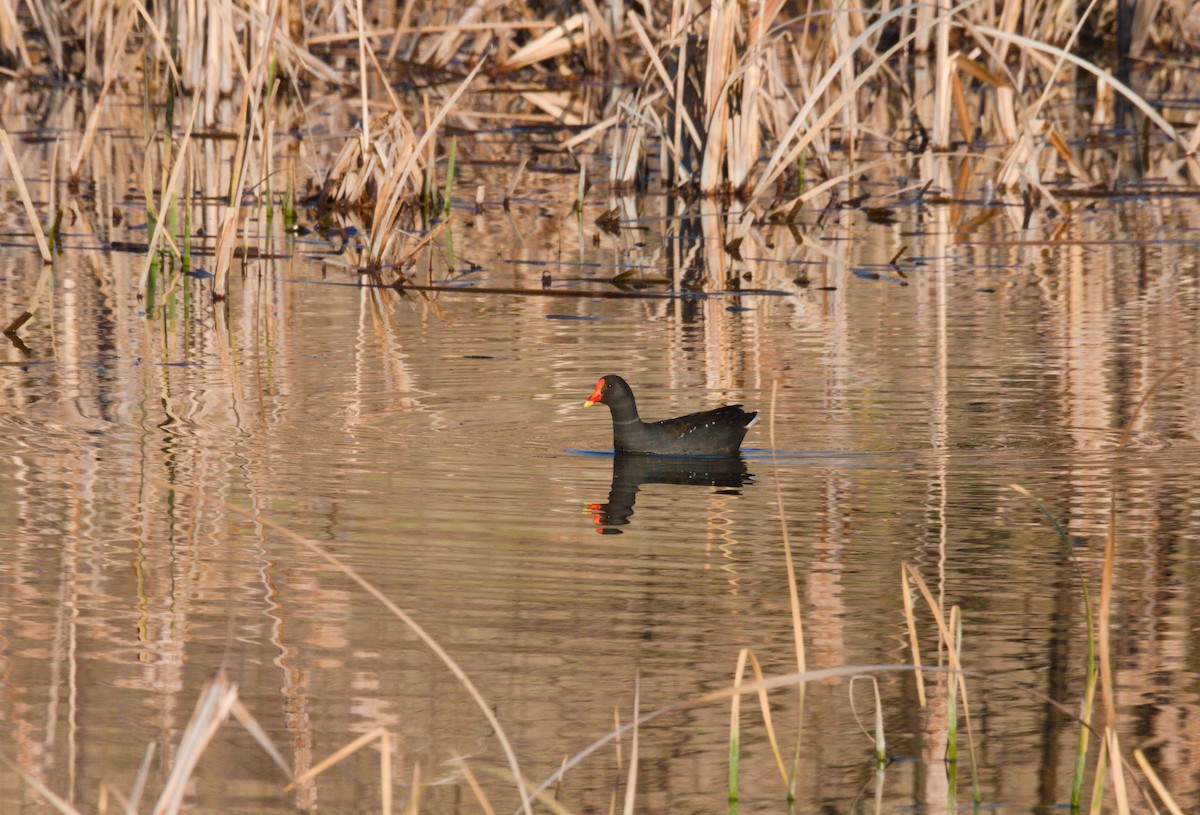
769, 103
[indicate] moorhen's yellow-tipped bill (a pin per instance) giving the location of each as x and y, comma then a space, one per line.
716, 432
597, 395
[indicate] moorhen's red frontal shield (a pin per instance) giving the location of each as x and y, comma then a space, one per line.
716, 432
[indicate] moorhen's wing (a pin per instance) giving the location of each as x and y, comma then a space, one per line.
724, 422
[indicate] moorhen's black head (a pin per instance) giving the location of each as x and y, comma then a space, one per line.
610, 390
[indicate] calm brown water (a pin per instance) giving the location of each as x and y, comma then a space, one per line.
437, 444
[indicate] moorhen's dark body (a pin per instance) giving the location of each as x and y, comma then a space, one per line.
716, 432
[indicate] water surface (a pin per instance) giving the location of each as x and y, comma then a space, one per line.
435, 441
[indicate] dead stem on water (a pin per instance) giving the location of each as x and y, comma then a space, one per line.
384, 738
400, 614
218, 700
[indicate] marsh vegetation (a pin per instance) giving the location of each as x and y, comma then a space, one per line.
264, 256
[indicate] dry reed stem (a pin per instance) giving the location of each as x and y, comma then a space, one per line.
38, 290
440, 51
735, 721
290, 53
385, 765
943, 67
226, 241
35, 223
106, 790
41, 789
878, 738
112, 63
764, 706
631, 781
167, 192
722, 17
606, 32
370, 588
360, 22
1118, 774
1141, 104
157, 36
539, 795
251, 726
414, 797
1156, 782
11, 29
212, 709
913, 643
473, 783
143, 775
515, 180
793, 589
955, 665
249, 110
45, 18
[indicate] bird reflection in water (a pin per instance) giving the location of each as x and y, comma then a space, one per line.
632, 470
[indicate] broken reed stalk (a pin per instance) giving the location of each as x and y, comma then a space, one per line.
226, 242
35, 222
34, 301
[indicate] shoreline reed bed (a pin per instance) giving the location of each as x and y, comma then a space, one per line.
754, 101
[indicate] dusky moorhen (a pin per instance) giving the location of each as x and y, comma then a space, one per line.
717, 432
